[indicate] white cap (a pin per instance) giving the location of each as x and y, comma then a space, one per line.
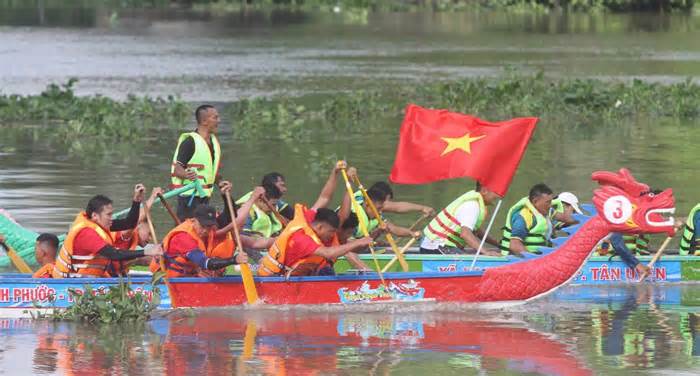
571, 199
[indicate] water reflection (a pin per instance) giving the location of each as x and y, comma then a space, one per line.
552, 338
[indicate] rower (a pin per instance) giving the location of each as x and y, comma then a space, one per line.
691, 228
45, 250
527, 224
261, 219
197, 156
89, 248
305, 247
619, 245
132, 239
400, 207
278, 180
307, 244
366, 215
187, 245
562, 210
459, 225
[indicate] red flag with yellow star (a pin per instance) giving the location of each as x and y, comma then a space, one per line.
438, 144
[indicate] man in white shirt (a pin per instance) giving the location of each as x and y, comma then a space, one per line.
458, 226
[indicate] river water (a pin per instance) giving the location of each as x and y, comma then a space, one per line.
219, 56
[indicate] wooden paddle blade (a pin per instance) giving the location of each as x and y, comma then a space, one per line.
17, 260
251, 292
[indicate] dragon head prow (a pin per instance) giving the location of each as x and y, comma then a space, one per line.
629, 206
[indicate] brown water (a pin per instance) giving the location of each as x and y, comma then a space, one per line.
631, 335
222, 56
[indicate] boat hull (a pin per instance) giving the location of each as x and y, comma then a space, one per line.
596, 271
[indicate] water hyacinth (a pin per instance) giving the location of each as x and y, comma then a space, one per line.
117, 304
512, 94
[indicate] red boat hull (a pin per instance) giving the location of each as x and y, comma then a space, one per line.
347, 289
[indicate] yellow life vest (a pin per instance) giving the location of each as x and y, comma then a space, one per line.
201, 161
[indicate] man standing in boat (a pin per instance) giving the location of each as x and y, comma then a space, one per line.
197, 156
88, 249
528, 226
458, 226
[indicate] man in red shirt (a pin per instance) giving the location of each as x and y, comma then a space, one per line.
187, 245
302, 245
89, 246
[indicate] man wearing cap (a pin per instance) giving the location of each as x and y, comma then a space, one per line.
563, 208
187, 245
458, 226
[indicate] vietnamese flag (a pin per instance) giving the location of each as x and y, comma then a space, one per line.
438, 144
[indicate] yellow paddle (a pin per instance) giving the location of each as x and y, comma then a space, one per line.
408, 244
162, 257
656, 257
16, 259
402, 251
363, 225
251, 292
389, 237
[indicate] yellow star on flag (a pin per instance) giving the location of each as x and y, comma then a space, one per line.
462, 143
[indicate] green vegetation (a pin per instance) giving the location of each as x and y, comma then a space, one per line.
578, 101
68, 115
117, 304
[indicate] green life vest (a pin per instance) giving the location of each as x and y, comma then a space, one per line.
636, 243
259, 222
538, 227
445, 225
362, 217
201, 162
688, 241
557, 208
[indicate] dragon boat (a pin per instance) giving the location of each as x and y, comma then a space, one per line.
621, 205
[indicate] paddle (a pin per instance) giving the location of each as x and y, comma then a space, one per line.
169, 209
16, 259
284, 221
155, 241
363, 226
402, 251
405, 247
251, 292
656, 257
389, 237
167, 194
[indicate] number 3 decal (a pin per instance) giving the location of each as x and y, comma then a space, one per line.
617, 209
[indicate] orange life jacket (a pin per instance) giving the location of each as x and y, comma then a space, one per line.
121, 268
274, 262
70, 265
223, 248
44, 272
180, 266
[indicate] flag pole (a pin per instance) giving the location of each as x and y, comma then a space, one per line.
486, 234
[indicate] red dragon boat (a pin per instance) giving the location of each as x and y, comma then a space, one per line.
622, 205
